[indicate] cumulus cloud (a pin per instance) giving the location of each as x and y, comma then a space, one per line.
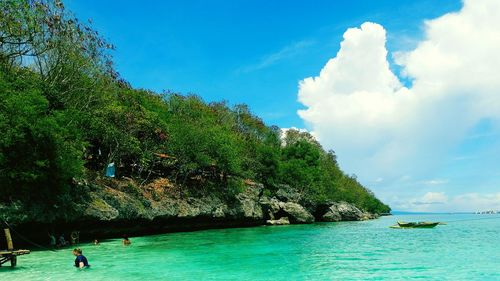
382, 129
432, 198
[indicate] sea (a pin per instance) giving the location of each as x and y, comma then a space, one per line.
467, 247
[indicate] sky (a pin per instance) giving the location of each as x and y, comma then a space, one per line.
407, 93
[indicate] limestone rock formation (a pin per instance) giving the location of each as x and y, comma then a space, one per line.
281, 221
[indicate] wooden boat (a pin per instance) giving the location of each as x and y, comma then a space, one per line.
424, 224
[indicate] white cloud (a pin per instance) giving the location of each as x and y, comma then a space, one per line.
439, 201
476, 202
461, 158
380, 128
271, 59
435, 182
434, 198
425, 203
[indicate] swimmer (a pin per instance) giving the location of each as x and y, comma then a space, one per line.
126, 241
81, 260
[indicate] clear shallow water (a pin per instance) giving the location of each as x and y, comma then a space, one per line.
462, 250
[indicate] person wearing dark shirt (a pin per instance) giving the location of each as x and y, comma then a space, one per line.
81, 260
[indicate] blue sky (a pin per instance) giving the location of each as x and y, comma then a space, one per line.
256, 52
252, 52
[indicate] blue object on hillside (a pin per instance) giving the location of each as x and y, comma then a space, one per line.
110, 170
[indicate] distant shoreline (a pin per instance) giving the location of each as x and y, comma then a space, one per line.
429, 213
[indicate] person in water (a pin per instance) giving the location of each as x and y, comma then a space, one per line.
96, 242
81, 260
126, 241
75, 237
62, 241
52, 242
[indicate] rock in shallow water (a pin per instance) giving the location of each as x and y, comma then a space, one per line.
349, 212
297, 213
342, 211
281, 221
332, 215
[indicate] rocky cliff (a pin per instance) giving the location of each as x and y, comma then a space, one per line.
113, 207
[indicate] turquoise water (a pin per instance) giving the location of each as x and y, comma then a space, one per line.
468, 249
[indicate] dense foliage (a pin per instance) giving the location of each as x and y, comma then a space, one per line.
65, 114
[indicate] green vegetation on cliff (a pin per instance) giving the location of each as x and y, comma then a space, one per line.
65, 114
